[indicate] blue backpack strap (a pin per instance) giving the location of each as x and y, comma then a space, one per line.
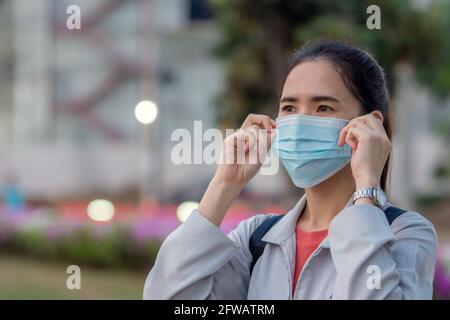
256, 245
393, 213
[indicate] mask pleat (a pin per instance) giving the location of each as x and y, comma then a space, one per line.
307, 147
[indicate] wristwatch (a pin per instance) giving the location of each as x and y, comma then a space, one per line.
375, 193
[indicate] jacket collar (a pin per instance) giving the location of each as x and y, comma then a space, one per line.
285, 228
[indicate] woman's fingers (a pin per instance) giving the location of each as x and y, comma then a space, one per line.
343, 134
251, 144
260, 129
247, 143
351, 138
352, 124
251, 137
373, 119
358, 130
356, 134
367, 123
262, 121
233, 143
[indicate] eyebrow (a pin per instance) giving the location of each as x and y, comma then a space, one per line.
313, 99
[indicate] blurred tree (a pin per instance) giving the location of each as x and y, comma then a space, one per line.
257, 38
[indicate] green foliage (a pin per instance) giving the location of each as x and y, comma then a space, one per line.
83, 248
427, 200
258, 38
114, 248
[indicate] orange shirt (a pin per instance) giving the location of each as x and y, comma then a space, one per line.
306, 243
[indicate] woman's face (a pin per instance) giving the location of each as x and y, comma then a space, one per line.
316, 88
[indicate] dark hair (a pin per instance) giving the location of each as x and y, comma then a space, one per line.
361, 74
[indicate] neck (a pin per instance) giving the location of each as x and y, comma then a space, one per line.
325, 200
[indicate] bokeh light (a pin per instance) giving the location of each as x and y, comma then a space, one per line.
146, 112
100, 210
184, 210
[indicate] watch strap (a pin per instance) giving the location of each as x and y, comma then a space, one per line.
370, 192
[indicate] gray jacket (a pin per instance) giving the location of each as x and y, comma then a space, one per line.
361, 258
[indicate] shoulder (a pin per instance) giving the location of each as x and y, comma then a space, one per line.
413, 224
249, 225
411, 219
246, 227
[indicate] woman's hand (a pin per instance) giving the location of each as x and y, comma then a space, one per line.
242, 152
370, 148
236, 167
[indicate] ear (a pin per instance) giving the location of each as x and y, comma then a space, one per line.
378, 115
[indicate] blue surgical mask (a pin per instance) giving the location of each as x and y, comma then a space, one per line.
307, 147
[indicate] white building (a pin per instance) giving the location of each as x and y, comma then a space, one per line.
68, 128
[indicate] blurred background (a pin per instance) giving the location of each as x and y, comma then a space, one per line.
86, 118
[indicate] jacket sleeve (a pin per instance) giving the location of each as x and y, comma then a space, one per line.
199, 261
375, 261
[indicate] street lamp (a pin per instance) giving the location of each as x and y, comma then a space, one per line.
146, 112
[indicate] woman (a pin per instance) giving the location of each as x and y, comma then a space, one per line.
342, 240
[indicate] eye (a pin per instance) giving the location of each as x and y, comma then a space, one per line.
288, 108
324, 108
